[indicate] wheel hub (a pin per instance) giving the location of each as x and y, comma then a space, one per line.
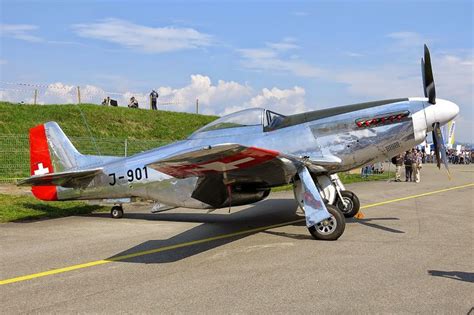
327, 226
348, 205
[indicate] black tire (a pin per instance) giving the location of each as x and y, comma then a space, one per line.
116, 212
353, 204
330, 229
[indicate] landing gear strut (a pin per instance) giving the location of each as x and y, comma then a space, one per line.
116, 212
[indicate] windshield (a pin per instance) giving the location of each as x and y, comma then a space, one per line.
244, 118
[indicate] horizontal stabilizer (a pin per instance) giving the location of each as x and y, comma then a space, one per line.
66, 179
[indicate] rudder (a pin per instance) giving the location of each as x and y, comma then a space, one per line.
50, 151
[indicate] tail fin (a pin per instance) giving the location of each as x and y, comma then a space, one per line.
50, 151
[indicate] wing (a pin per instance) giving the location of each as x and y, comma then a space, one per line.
246, 169
232, 159
65, 179
210, 160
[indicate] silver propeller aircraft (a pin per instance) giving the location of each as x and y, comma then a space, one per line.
238, 158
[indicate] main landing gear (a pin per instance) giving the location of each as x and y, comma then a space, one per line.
333, 192
116, 212
339, 202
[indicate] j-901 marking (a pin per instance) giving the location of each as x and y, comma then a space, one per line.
132, 175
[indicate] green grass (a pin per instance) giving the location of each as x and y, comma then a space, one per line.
21, 208
356, 178
104, 121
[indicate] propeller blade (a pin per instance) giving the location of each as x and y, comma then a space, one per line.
435, 142
423, 76
440, 147
428, 80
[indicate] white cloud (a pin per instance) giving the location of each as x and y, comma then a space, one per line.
353, 54
272, 58
408, 39
20, 31
144, 38
3, 62
285, 101
287, 43
299, 13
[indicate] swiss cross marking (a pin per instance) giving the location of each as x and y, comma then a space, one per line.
222, 167
41, 169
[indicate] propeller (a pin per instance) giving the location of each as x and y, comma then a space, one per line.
430, 92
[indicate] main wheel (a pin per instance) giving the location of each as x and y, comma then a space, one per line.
116, 212
330, 229
352, 204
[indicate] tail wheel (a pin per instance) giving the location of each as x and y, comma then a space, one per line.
116, 212
330, 229
352, 204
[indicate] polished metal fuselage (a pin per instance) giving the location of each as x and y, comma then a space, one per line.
335, 136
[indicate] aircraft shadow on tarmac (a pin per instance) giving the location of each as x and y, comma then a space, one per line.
265, 213
455, 275
368, 222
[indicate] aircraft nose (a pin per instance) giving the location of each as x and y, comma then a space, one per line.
445, 111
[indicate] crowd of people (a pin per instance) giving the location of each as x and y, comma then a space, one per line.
454, 157
412, 161
133, 103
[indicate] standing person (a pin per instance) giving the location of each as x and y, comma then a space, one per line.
398, 161
419, 162
413, 164
153, 98
408, 161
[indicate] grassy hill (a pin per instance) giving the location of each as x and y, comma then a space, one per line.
105, 122
117, 131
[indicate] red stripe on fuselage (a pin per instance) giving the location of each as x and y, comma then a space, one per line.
40, 162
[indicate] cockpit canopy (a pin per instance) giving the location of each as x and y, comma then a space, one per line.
253, 119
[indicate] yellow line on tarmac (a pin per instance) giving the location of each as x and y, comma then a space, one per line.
142, 253
416, 196
204, 240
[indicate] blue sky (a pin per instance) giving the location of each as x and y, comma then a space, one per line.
291, 56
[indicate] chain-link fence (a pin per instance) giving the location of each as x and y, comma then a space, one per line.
15, 152
59, 93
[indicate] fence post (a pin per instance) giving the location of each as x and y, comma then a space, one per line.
78, 95
36, 96
197, 106
126, 146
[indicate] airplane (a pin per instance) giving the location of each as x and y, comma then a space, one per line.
237, 159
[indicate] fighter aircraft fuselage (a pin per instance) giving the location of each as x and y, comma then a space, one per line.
355, 134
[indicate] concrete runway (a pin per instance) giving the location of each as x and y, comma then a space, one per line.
412, 255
